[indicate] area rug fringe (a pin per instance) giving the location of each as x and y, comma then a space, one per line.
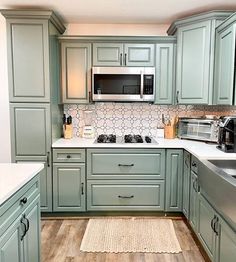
127, 235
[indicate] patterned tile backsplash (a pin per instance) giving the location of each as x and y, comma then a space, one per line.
135, 118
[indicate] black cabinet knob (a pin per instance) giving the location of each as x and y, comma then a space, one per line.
68, 156
23, 200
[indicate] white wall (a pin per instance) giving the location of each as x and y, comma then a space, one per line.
5, 150
72, 29
117, 29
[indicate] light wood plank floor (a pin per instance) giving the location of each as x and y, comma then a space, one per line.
61, 241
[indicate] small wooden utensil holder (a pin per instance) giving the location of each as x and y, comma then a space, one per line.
68, 131
169, 132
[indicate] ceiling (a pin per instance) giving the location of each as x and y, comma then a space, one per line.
122, 11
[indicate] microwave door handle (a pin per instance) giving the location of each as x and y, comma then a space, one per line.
141, 87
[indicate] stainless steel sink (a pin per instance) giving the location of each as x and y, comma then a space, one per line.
228, 166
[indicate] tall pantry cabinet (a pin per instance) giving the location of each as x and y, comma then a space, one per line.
33, 75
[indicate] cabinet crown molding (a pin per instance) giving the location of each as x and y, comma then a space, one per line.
219, 15
35, 14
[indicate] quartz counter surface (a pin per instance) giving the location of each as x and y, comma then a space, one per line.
198, 149
14, 176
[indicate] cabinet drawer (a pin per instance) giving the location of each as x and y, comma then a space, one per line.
133, 164
17, 204
125, 195
69, 155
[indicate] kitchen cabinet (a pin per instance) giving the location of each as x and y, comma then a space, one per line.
206, 226
130, 180
123, 54
225, 62
216, 236
165, 72
33, 76
226, 245
174, 177
20, 225
76, 72
69, 181
195, 56
186, 183
194, 193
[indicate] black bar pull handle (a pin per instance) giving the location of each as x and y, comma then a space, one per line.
126, 165
132, 196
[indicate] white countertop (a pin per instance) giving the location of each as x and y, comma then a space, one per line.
198, 149
15, 176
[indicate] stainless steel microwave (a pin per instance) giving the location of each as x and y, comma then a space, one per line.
199, 129
123, 84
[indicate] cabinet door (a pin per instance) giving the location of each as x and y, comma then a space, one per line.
11, 248
108, 54
225, 66
186, 183
69, 187
32, 237
193, 63
76, 72
174, 176
139, 55
164, 73
193, 202
28, 59
30, 129
227, 243
205, 230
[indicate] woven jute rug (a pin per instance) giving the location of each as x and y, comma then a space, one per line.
117, 235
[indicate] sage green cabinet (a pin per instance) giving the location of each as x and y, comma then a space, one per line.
30, 129
123, 54
33, 76
193, 201
195, 56
193, 63
125, 195
174, 179
69, 179
207, 221
69, 187
186, 183
20, 225
75, 72
165, 73
28, 67
225, 63
226, 246
194, 194
128, 164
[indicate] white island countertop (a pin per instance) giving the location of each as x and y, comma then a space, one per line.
14, 176
198, 149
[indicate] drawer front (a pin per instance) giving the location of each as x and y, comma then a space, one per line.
125, 195
17, 204
115, 164
69, 155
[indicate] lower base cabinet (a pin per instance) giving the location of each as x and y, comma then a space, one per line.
69, 187
226, 246
20, 242
125, 195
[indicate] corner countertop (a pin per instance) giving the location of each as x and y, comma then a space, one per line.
199, 149
14, 176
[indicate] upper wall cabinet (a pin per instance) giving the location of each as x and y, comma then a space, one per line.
195, 56
118, 54
165, 72
224, 77
28, 54
76, 72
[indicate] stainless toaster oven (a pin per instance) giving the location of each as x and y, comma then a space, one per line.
199, 129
